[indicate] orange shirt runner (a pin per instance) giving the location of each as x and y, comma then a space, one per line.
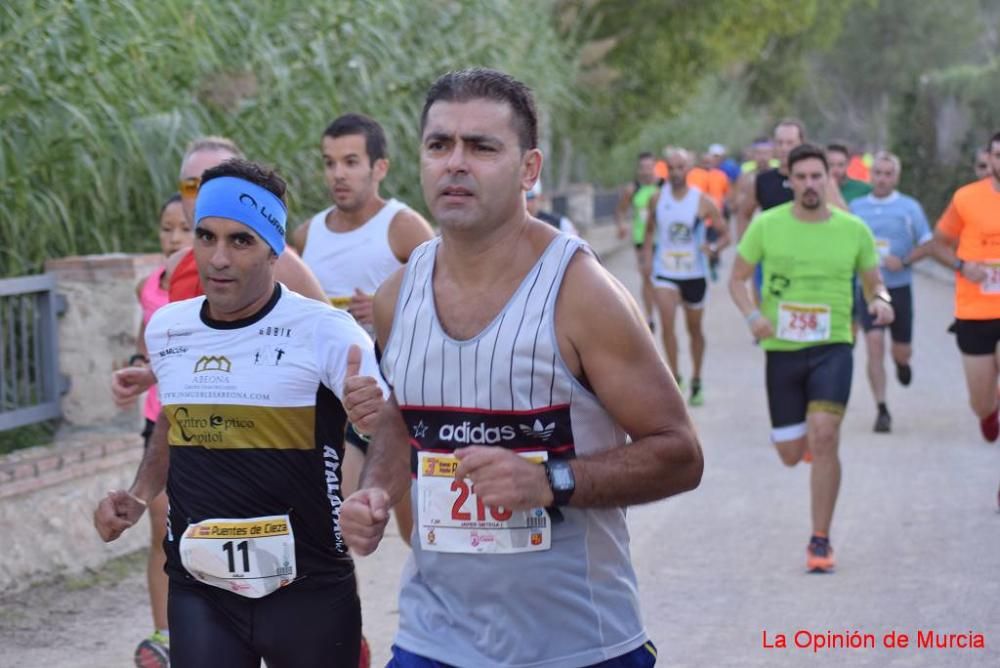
973, 217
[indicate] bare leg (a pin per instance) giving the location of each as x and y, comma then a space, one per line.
824, 441
693, 318
875, 342
156, 578
667, 300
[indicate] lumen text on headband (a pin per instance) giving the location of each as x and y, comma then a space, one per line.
245, 202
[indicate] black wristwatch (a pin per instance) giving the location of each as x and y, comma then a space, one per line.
959, 265
561, 480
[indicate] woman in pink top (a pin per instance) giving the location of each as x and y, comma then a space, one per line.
175, 234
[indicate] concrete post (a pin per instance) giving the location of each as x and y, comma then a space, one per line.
97, 333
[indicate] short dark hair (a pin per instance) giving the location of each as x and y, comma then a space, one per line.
838, 147
805, 152
645, 155
795, 123
359, 124
483, 83
248, 171
995, 139
176, 197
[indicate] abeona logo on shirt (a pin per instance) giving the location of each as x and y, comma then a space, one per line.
466, 432
218, 363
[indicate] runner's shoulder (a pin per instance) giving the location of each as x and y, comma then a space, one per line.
974, 193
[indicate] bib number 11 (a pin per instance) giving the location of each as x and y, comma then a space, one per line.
243, 547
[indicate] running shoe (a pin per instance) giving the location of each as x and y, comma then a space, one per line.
990, 426
904, 374
153, 652
819, 555
883, 423
696, 396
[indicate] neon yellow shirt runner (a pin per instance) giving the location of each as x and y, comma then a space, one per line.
640, 211
808, 270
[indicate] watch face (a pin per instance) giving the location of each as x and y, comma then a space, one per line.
562, 477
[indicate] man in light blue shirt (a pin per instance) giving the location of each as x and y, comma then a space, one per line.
902, 236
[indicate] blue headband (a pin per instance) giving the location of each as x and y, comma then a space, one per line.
257, 208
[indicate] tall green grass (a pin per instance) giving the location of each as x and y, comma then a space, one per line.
99, 97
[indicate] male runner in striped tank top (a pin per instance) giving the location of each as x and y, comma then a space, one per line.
514, 359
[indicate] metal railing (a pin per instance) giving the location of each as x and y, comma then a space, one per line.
30, 382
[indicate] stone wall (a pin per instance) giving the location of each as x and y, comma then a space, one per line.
47, 501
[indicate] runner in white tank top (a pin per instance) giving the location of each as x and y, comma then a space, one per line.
354, 245
514, 359
675, 254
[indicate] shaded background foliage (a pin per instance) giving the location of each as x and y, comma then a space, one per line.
99, 97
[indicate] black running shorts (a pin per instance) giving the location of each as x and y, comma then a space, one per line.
294, 626
692, 289
817, 378
977, 337
901, 329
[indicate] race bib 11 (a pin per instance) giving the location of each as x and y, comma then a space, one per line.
250, 557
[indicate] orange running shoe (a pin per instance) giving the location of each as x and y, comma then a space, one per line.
819, 555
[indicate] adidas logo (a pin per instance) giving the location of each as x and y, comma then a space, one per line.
213, 363
538, 430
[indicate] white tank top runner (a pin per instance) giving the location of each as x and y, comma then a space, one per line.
509, 387
361, 258
679, 235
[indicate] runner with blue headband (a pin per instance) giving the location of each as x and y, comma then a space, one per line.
245, 202
257, 383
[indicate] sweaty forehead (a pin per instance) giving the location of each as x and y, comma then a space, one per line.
478, 116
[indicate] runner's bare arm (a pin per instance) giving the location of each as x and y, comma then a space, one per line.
408, 230
299, 237
386, 474
739, 290
707, 210
293, 272
747, 204
173, 261
140, 339
876, 295
121, 509
606, 343
925, 249
646, 258
621, 209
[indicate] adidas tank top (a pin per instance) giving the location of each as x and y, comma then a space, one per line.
571, 605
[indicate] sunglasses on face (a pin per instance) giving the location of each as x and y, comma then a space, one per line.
189, 187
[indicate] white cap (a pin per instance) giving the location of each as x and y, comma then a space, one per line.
716, 149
